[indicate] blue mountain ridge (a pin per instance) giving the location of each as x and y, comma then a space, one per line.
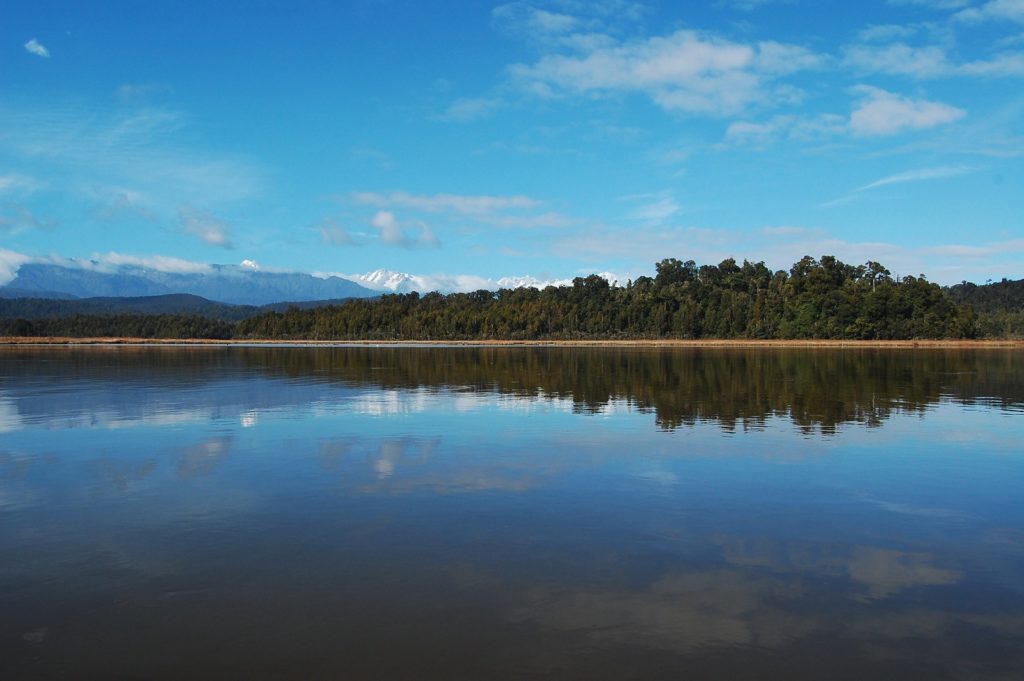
232, 284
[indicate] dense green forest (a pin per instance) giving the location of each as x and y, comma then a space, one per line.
120, 325
824, 298
998, 305
27, 307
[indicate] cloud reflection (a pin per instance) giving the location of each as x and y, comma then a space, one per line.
401, 465
201, 459
877, 573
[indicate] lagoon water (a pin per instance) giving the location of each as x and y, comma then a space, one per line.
511, 513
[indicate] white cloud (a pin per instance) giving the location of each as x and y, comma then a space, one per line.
9, 264
686, 71
525, 20
471, 108
407, 236
205, 226
885, 113
390, 232
37, 48
1009, 10
161, 263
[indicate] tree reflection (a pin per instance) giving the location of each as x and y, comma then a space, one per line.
818, 389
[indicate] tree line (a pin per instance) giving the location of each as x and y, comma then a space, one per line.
822, 298
816, 298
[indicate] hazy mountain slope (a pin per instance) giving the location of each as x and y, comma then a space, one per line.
222, 283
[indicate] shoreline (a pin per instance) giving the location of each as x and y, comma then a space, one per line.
632, 343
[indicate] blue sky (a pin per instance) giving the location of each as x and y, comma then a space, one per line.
550, 139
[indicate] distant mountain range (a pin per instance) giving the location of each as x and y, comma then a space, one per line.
243, 284
235, 284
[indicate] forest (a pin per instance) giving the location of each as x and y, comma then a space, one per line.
815, 299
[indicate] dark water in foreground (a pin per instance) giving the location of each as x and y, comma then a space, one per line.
414, 513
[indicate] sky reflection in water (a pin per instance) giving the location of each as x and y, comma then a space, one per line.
510, 513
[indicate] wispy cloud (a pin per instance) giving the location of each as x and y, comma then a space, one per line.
927, 62
205, 226
877, 113
506, 212
471, 108
460, 203
750, 5
162, 263
885, 113
524, 20
17, 217
145, 150
653, 209
932, 4
792, 127
112, 261
16, 183
138, 92
885, 32
123, 204
334, 234
993, 10
920, 175
35, 47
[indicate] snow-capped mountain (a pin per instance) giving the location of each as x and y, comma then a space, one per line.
401, 282
386, 280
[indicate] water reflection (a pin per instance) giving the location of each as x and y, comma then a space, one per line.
457, 513
819, 390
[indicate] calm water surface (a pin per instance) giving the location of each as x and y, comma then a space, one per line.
469, 513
